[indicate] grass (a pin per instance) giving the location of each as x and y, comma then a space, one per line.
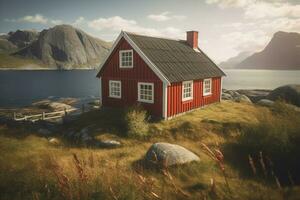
33, 168
10, 61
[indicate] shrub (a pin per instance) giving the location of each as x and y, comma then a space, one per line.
136, 121
278, 138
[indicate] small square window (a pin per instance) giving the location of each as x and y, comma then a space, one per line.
126, 58
115, 89
146, 92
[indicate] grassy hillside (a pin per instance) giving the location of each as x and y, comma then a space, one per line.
9, 61
33, 168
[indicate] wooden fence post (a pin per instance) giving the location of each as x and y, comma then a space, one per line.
43, 116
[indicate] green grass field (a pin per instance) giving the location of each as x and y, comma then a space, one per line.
33, 168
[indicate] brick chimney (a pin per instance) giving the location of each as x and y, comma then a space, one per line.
192, 39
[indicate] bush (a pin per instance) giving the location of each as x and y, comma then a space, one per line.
136, 121
278, 138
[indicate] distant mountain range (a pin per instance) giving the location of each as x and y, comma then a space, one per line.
281, 53
60, 47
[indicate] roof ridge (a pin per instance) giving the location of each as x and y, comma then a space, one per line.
143, 35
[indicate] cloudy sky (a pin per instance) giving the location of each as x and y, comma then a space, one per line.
226, 27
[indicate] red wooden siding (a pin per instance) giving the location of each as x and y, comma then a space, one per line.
129, 78
176, 105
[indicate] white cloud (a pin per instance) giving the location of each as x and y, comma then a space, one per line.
257, 9
56, 22
37, 19
230, 3
165, 16
118, 23
272, 10
79, 21
40, 19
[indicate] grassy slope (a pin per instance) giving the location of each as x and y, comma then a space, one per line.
8, 61
30, 165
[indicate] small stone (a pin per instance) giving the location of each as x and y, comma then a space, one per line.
109, 143
54, 141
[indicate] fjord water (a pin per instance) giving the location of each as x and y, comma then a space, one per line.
21, 88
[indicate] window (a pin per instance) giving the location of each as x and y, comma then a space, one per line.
187, 90
126, 58
115, 89
146, 92
206, 87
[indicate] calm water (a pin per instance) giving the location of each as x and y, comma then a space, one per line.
259, 79
19, 88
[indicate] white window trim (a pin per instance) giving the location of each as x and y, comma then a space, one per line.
115, 96
207, 93
120, 58
192, 92
139, 92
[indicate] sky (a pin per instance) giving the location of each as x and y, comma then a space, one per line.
226, 27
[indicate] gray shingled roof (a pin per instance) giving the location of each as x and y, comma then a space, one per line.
176, 59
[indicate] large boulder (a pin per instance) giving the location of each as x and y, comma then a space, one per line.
226, 96
265, 102
242, 98
288, 93
255, 95
166, 154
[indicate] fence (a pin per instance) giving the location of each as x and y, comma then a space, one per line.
45, 115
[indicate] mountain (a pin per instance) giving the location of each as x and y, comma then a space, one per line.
282, 52
60, 47
65, 47
232, 62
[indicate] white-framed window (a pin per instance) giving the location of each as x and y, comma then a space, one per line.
126, 58
115, 89
146, 92
187, 90
207, 83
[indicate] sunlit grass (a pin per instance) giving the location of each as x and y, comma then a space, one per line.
29, 163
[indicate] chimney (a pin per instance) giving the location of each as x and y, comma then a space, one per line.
192, 39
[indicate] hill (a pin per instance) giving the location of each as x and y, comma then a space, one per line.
52, 166
60, 47
232, 62
282, 53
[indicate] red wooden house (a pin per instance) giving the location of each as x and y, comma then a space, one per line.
168, 77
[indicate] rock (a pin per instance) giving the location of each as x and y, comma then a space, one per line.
255, 95
233, 93
85, 138
242, 98
109, 144
54, 106
226, 96
59, 106
95, 102
169, 154
66, 47
44, 132
288, 93
54, 141
265, 102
